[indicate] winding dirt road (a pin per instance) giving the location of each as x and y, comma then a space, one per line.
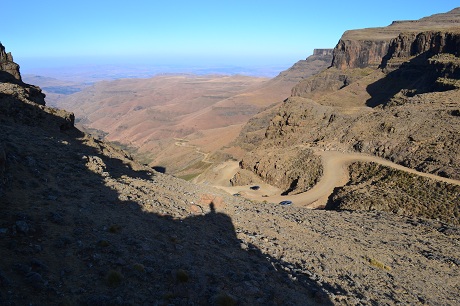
180, 142
335, 174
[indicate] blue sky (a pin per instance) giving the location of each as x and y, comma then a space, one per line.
190, 32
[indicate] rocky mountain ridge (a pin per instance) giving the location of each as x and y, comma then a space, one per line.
399, 102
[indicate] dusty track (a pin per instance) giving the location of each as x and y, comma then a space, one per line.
183, 143
335, 174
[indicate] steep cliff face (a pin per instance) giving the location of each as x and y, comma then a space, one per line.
323, 52
8, 68
367, 47
428, 44
359, 53
350, 53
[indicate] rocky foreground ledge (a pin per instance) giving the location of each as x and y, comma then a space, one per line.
82, 224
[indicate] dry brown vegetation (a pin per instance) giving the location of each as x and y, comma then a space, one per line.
376, 187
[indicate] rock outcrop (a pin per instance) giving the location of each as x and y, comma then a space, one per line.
323, 52
253, 132
367, 47
424, 45
359, 54
26, 103
8, 68
293, 170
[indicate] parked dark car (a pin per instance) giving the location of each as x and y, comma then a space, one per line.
285, 203
254, 187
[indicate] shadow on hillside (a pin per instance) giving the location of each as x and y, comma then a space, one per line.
160, 169
7, 77
96, 246
416, 76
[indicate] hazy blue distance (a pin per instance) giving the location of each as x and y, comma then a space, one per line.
46, 34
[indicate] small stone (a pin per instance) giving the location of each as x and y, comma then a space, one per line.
37, 264
21, 268
52, 197
57, 218
36, 280
22, 227
37, 248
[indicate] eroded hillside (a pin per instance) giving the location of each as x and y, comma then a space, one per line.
388, 93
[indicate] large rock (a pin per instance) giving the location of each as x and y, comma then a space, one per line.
8, 68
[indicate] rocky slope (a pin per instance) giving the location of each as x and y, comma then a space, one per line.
400, 102
81, 223
375, 187
253, 132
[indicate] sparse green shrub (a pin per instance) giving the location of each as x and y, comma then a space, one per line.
114, 278
182, 276
378, 264
139, 267
103, 243
224, 299
115, 228
377, 187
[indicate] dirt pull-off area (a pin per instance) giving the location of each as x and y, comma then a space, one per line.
335, 174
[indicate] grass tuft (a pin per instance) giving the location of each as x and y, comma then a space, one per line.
375, 263
182, 276
224, 299
139, 267
115, 228
103, 243
114, 278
